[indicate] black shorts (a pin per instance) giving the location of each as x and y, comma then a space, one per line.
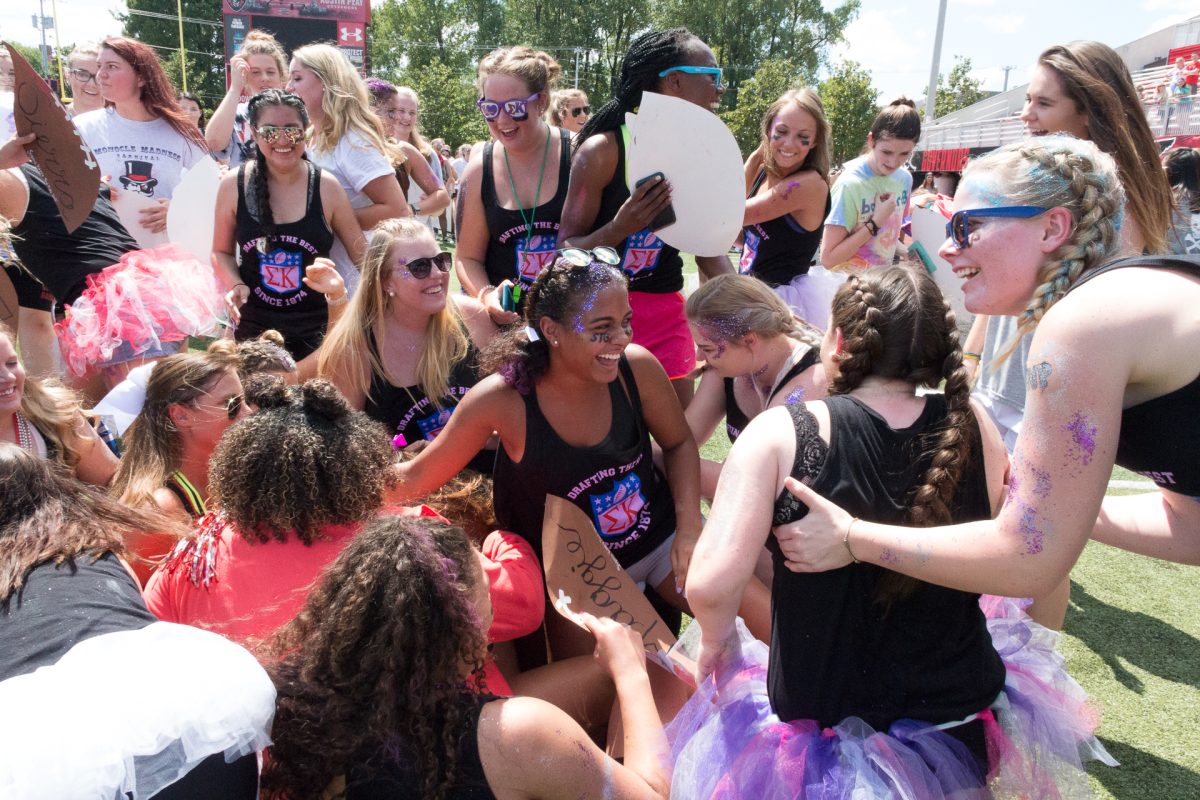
30, 291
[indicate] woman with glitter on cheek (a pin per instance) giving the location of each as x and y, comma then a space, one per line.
575, 403
1051, 234
757, 355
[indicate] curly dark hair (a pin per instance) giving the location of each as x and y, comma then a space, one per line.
377, 660
560, 290
306, 460
48, 515
896, 324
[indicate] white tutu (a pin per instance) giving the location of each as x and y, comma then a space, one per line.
811, 295
128, 714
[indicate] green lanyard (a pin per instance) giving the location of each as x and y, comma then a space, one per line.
513, 184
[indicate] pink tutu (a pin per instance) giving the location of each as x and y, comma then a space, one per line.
729, 745
138, 307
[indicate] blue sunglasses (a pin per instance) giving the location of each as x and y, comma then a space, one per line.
715, 72
958, 229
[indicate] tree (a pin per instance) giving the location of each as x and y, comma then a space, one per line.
448, 107
849, 101
771, 80
959, 90
203, 41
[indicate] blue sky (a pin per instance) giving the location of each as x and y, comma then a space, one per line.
892, 38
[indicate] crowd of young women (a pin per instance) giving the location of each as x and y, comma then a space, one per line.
866, 502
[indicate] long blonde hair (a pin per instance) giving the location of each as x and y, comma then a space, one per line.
347, 352
153, 448
415, 137
345, 104
53, 409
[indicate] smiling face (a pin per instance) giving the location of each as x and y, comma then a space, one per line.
792, 134
282, 153
119, 83
85, 94
514, 133
1048, 109
12, 378
264, 74
308, 86
1000, 267
886, 155
591, 341
415, 296
695, 88
407, 112
574, 117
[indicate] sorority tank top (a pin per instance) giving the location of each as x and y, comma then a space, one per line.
651, 264
273, 268
391, 774
61, 259
839, 649
736, 419
407, 411
513, 252
780, 249
614, 482
1160, 438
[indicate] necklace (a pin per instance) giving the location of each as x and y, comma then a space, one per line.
24, 435
533, 205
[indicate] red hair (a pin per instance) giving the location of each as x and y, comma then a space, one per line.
157, 93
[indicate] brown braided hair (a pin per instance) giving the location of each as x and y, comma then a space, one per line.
384, 656
1060, 172
896, 324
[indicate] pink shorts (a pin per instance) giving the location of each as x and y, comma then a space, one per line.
660, 326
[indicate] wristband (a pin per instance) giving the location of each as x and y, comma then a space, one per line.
971, 356
416, 209
345, 298
871, 226
483, 291
846, 540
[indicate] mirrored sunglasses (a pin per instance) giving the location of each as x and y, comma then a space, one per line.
581, 258
516, 109
270, 134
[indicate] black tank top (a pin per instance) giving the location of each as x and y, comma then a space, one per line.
60, 606
780, 249
651, 264
1160, 438
512, 254
409, 412
61, 260
736, 419
278, 297
836, 651
390, 774
615, 482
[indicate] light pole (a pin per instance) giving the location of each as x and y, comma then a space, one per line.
1007, 69
931, 95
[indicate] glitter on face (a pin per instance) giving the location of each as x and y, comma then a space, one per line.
594, 279
1083, 435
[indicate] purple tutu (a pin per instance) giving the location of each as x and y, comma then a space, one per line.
727, 744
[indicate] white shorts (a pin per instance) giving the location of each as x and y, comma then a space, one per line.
654, 568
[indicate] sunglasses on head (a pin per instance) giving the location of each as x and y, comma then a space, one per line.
958, 229
420, 268
270, 134
575, 112
715, 72
82, 75
581, 258
516, 109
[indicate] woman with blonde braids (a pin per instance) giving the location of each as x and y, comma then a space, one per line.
406, 350
1112, 378
347, 140
46, 418
875, 680
757, 356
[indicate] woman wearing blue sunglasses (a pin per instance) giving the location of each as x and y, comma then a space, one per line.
514, 189
1111, 379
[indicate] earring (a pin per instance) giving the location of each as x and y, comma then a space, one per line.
391, 293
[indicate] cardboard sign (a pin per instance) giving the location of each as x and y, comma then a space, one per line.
190, 219
10, 312
700, 158
583, 576
929, 231
59, 152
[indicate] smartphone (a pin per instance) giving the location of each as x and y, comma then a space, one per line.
667, 215
510, 296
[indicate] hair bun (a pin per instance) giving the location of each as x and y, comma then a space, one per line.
902, 101
266, 391
320, 397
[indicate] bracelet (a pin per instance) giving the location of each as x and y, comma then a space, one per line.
871, 226
416, 209
231, 288
345, 298
973, 356
479, 295
846, 540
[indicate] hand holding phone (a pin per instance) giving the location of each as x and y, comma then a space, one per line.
665, 215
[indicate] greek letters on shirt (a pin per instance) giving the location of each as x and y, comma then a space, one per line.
642, 250
621, 514
280, 269
542, 247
